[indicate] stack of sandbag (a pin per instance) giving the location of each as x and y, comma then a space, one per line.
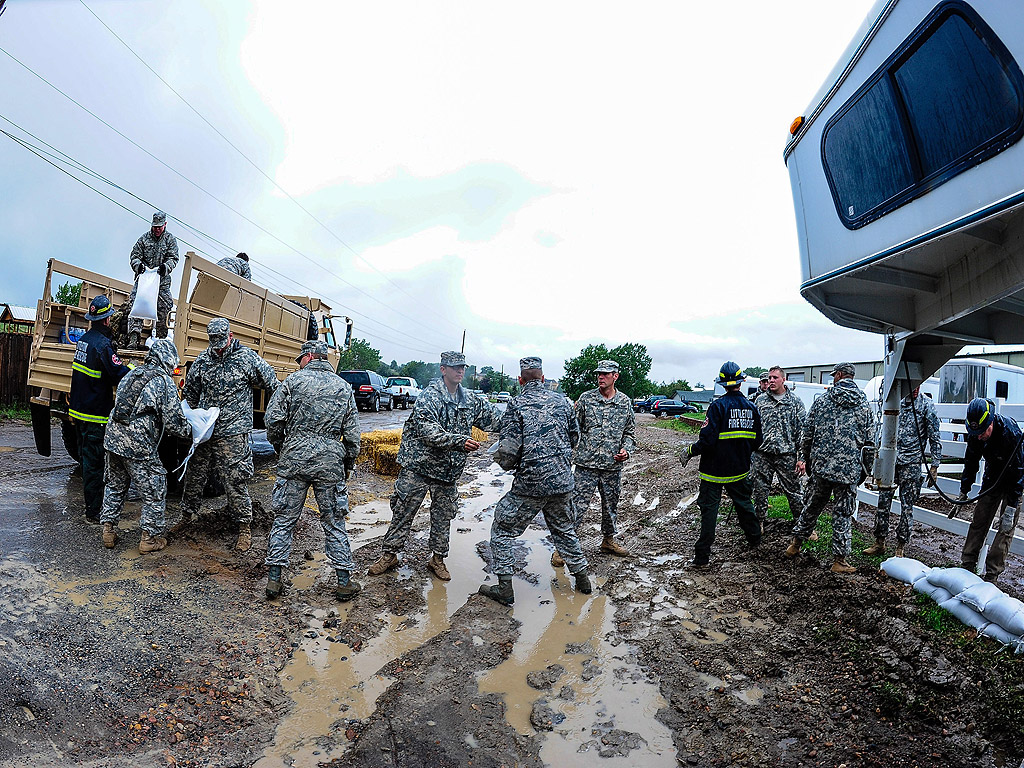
973, 601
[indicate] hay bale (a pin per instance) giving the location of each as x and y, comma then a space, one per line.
480, 436
385, 459
371, 442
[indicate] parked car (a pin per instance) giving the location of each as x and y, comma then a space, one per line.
645, 404
403, 389
503, 397
672, 408
369, 389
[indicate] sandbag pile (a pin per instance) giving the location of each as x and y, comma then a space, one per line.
371, 442
973, 601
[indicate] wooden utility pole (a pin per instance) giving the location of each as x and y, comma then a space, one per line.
463, 350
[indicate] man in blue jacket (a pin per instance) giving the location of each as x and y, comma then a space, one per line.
731, 433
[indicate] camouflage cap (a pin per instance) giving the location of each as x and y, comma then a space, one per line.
159, 219
848, 368
315, 347
452, 359
764, 376
607, 366
164, 353
218, 331
527, 363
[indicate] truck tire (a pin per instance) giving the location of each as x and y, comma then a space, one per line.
375, 405
391, 403
41, 428
403, 403
69, 432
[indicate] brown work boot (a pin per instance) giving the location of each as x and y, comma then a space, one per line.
556, 560
244, 543
109, 535
151, 543
186, 520
794, 547
899, 550
841, 566
878, 548
383, 564
436, 564
612, 547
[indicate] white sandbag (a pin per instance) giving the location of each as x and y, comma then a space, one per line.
964, 613
938, 594
953, 580
1000, 635
147, 289
979, 595
1007, 612
202, 421
905, 569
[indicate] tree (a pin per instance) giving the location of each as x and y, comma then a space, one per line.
754, 370
359, 357
670, 387
69, 294
634, 365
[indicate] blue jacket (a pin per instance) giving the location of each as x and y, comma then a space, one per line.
731, 433
1002, 449
95, 373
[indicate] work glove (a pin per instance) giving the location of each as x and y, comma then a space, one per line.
140, 269
962, 496
1008, 520
685, 456
933, 475
349, 467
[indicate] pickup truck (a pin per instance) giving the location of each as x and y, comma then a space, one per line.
403, 389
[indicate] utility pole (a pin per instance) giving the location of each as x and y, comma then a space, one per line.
501, 385
463, 350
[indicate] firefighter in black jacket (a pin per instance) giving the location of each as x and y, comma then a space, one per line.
731, 433
95, 372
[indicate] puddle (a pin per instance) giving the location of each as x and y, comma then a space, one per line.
662, 559
639, 499
750, 696
679, 508
653, 505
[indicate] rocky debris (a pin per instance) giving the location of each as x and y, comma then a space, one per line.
543, 717
619, 743
567, 693
543, 679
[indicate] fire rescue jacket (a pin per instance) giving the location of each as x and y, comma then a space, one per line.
95, 373
731, 433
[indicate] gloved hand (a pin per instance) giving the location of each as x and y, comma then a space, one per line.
162, 269
349, 466
685, 456
140, 269
933, 475
1008, 520
962, 496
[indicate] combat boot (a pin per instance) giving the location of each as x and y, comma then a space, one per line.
109, 535
436, 564
612, 547
346, 589
794, 547
244, 542
275, 583
187, 519
502, 591
151, 543
841, 566
383, 564
583, 583
556, 560
878, 548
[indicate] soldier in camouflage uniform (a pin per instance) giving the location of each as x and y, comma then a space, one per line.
435, 441
763, 385
312, 424
607, 427
157, 249
837, 428
146, 408
782, 423
538, 433
224, 376
917, 417
237, 264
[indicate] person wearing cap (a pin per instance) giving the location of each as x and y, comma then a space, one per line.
997, 439
762, 387
838, 427
782, 423
145, 409
436, 440
313, 424
607, 428
237, 264
538, 433
156, 249
224, 376
918, 426
95, 371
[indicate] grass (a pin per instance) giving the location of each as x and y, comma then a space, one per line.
676, 425
778, 508
18, 412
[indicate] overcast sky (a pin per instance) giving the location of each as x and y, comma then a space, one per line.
545, 175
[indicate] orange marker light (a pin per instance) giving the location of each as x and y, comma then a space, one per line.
795, 125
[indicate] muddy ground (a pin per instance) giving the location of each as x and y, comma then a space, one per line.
109, 658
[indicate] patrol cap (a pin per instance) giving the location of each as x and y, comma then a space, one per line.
164, 352
528, 363
99, 309
607, 366
159, 219
218, 331
764, 376
848, 368
452, 359
313, 347
979, 416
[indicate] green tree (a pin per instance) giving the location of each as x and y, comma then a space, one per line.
359, 357
69, 293
634, 365
754, 370
670, 387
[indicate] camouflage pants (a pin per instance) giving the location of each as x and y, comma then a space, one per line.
164, 304
608, 482
287, 503
763, 466
513, 515
150, 480
231, 458
909, 479
410, 490
819, 492
981, 522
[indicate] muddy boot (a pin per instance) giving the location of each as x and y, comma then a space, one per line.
556, 560
134, 340
275, 584
794, 547
878, 548
346, 589
383, 564
151, 543
612, 547
841, 566
187, 519
436, 564
583, 583
109, 535
502, 591
244, 543
899, 550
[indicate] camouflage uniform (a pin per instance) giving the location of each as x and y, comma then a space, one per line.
154, 253
909, 458
312, 423
837, 427
146, 407
606, 427
236, 265
538, 433
432, 456
782, 422
226, 381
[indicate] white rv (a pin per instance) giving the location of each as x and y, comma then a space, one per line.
964, 380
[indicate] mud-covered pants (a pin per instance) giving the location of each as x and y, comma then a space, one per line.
819, 491
709, 499
164, 304
909, 479
287, 504
93, 456
231, 458
513, 515
763, 466
410, 490
984, 514
149, 478
608, 483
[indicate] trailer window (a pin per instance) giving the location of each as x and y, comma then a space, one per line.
947, 100
1002, 389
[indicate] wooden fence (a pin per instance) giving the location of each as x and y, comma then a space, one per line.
14, 350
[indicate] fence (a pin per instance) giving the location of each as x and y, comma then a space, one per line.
14, 350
